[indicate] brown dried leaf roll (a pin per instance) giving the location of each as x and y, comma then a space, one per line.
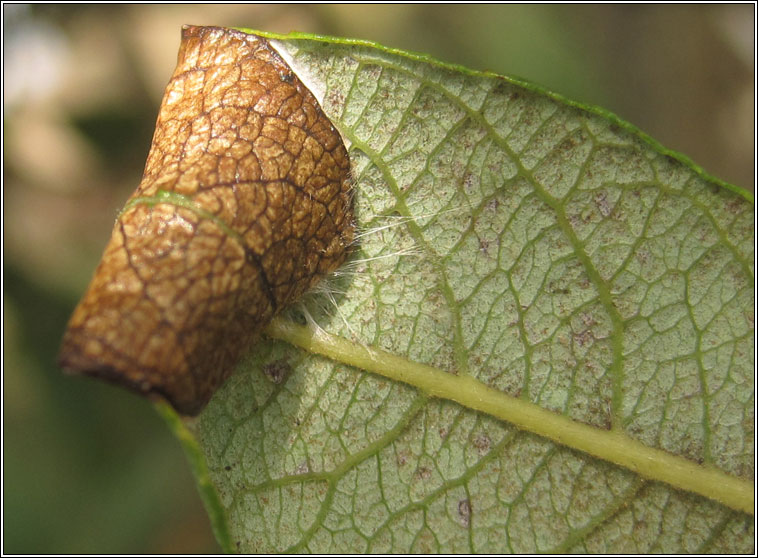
260, 210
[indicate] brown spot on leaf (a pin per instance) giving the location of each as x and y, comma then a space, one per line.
584, 337
277, 371
402, 459
493, 204
602, 203
464, 511
244, 205
482, 443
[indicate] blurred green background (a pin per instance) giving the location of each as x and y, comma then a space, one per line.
88, 468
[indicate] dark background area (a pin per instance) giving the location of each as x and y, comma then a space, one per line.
88, 468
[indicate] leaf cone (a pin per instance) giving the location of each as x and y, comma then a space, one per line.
243, 206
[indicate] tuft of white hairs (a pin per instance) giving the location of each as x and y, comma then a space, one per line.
323, 299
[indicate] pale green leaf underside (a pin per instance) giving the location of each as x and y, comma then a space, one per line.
558, 257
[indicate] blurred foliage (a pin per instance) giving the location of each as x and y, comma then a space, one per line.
91, 469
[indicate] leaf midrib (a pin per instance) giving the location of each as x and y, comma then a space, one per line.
609, 445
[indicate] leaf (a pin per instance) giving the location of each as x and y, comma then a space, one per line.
524, 246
